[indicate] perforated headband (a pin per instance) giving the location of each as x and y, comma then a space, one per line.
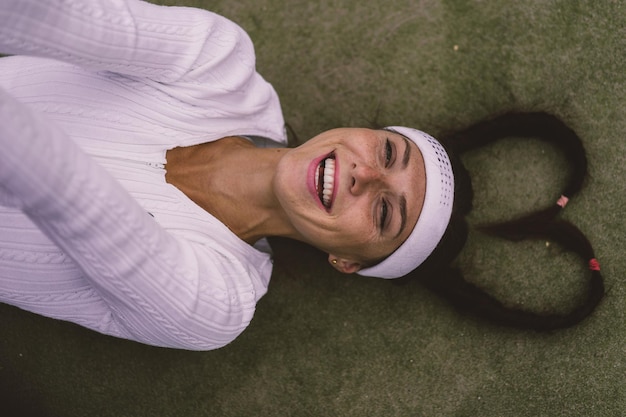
436, 210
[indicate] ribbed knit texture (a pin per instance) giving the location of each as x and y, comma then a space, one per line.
90, 232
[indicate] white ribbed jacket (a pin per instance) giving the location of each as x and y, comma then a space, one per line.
90, 232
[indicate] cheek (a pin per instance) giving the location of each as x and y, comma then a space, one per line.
341, 236
354, 232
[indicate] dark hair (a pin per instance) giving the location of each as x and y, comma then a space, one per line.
437, 274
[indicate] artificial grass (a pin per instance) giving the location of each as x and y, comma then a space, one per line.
323, 344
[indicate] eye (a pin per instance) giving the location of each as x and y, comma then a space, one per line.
383, 213
388, 153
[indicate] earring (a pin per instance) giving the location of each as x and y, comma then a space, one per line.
334, 261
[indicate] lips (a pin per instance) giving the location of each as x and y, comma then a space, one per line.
325, 181
322, 175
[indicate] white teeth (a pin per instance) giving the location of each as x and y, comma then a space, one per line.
317, 182
329, 181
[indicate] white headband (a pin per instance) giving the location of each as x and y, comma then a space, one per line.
436, 210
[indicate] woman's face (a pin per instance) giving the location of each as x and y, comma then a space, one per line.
353, 193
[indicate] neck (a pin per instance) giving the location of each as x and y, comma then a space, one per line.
232, 180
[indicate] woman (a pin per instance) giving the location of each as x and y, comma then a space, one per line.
142, 167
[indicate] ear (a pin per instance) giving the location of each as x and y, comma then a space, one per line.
347, 266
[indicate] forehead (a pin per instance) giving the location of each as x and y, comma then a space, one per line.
413, 186
409, 188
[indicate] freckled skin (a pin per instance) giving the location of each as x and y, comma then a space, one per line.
349, 229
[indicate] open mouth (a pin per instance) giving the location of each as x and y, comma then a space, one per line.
325, 181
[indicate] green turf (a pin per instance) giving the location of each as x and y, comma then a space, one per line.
323, 344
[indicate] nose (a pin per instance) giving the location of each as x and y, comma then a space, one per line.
365, 177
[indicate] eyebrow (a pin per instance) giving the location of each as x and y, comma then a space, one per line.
405, 162
402, 216
407, 152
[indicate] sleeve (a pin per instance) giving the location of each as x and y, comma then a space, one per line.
130, 37
163, 291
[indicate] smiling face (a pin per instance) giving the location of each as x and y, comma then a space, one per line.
354, 193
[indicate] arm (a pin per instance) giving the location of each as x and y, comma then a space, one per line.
161, 290
131, 37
